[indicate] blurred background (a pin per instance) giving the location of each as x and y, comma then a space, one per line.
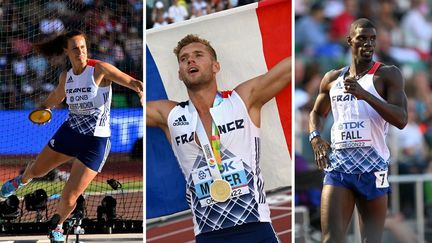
164, 12
404, 34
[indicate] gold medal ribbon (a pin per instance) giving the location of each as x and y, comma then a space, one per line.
215, 139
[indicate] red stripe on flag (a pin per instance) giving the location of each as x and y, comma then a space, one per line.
274, 18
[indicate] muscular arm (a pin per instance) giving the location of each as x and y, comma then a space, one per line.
258, 91
322, 103
157, 114
394, 110
320, 110
57, 95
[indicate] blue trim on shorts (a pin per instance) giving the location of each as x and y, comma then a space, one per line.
262, 232
90, 150
362, 184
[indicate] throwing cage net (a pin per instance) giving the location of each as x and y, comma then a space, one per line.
114, 30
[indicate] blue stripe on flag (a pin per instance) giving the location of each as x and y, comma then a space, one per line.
154, 85
165, 183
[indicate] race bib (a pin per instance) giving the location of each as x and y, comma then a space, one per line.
233, 172
352, 134
381, 179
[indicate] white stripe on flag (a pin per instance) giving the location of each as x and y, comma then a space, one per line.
231, 33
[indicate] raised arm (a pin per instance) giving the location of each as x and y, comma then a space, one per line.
259, 90
57, 95
320, 110
112, 73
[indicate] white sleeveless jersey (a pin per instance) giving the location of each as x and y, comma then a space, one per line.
240, 152
358, 133
89, 104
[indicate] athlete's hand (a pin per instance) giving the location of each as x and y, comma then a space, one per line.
321, 150
353, 87
141, 97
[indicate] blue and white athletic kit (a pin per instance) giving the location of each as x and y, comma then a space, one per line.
240, 152
89, 104
357, 138
85, 133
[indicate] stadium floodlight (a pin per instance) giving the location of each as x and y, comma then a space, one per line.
9, 208
36, 201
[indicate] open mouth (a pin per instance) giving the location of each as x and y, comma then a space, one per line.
193, 70
367, 52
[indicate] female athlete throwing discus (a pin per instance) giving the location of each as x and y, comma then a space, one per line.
85, 135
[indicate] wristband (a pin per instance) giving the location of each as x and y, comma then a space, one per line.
313, 134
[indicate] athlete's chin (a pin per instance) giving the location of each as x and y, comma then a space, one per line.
366, 59
192, 84
81, 60
196, 86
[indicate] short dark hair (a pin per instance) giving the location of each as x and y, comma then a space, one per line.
361, 23
191, 38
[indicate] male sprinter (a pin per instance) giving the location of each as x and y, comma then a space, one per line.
364, 97
230, 122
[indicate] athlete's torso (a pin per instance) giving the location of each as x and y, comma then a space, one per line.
89, 104
240, 152
358, 133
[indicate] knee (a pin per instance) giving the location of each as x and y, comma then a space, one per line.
70, 199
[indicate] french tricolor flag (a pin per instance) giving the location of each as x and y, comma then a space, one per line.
248, 40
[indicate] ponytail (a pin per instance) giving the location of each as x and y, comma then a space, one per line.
55, 46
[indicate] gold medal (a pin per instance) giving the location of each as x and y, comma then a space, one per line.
220, 190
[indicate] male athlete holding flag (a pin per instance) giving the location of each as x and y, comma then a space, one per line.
215, 137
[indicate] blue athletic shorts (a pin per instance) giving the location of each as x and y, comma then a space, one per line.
369, 185
245, 233
92, 151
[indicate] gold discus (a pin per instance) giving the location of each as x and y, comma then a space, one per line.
40, 116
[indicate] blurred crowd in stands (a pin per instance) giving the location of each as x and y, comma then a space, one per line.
164, 12
404, 39
114, 29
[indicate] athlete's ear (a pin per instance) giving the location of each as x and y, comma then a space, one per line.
180, 76
349, 40
216, 66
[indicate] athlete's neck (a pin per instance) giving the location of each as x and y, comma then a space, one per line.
203, 99
78, 68
358, 69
